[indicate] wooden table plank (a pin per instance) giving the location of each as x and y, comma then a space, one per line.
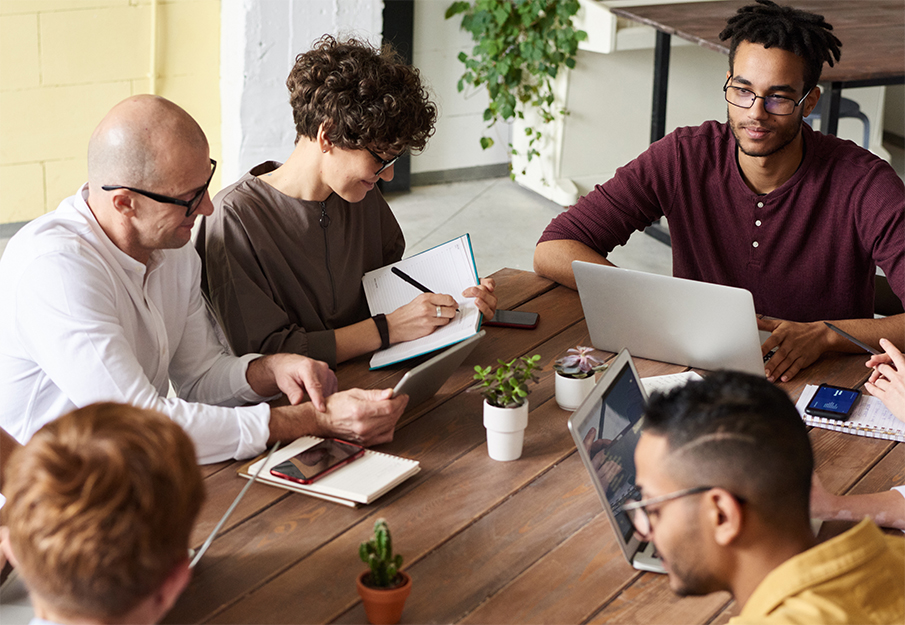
480, 537
437, 440
558, 310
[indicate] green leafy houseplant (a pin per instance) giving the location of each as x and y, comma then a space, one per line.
507, 385
377, 553
579, 363
520, 46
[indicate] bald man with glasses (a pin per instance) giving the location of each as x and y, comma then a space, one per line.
761, 202
102, 302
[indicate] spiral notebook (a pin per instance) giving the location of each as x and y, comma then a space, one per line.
870, 418
360, 482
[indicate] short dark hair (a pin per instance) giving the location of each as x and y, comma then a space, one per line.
741, 433
366, 97
804, 34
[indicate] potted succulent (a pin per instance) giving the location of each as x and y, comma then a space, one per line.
383, 587
575, 376
505, 391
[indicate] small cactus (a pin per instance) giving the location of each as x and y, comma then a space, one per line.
377, 553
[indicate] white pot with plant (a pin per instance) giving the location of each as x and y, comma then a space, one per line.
575, 376
505, 391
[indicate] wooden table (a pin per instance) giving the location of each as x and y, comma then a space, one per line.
872, 34
484, 541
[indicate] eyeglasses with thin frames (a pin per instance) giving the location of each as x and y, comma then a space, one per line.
385, 164
773, 104
637, 510
190, 205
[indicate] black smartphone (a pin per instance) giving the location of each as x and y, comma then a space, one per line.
514, 319
833, 402
318, 460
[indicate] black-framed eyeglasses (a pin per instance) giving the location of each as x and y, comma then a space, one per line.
636, 511
190, 205
384, 163
774, 104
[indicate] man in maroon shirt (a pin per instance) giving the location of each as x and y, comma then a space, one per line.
763, 202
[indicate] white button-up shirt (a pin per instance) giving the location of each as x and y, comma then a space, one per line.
81, 322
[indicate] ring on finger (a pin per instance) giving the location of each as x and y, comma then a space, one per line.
439, 312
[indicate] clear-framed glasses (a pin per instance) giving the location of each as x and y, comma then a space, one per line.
190, 205
384, 163
774, 104
636, 511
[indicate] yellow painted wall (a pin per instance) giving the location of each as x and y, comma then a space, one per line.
65, 63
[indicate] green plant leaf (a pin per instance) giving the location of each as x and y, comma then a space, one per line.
486, 142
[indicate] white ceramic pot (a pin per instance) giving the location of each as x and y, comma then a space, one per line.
570, 392
505, 431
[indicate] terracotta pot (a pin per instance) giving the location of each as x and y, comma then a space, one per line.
384, 605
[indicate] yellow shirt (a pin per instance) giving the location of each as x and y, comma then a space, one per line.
856, 577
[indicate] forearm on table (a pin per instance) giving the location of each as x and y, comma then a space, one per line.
868, 331
356, 339
553, 259
886, 509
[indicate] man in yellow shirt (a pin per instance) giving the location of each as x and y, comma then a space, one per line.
723, 469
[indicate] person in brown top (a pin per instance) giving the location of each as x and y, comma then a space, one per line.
287, 246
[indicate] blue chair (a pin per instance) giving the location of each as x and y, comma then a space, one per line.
847, 108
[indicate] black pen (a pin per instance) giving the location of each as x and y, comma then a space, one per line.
410, 280
868, 348
413, 282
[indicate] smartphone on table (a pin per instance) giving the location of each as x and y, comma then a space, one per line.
514, 319
318, 460
833, 402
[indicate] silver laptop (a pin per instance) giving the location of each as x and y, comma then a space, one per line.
686, 322
606, 428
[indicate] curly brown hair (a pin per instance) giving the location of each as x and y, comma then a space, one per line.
364, 96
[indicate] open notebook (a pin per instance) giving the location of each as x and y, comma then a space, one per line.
448, 268
361, 481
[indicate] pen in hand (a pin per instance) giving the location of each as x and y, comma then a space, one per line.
410, 280
397, 271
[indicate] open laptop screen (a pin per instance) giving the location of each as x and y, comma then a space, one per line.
615, 426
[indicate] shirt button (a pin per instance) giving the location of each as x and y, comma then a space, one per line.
755, 244
760, 204
757, 223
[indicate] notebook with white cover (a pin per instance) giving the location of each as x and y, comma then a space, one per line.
361, 481
870, 418
448, 268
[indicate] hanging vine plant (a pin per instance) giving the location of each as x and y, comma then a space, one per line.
520, 46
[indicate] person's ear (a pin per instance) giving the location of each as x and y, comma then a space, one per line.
810, 102
122, 202
323, 141
725, 514
173, 586
7, 548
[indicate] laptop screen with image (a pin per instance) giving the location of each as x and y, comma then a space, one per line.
611, 442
